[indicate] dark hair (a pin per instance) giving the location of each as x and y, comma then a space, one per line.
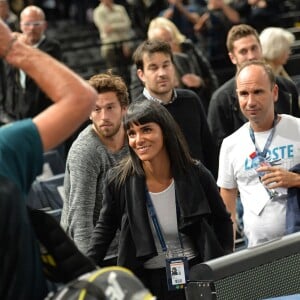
146, 111
107, 82
266, 67
150, 47
239, 31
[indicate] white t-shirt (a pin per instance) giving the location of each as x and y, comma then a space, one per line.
264, 218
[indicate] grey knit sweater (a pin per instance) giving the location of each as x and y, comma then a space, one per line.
87, 164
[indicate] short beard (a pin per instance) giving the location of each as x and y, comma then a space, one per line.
109, 133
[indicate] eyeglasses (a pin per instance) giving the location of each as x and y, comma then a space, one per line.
34, 24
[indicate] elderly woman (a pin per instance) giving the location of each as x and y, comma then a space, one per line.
276, 43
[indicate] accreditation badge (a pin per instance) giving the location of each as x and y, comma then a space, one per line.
177, 270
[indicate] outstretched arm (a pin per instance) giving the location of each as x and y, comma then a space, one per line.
232, 15
190, 16
73, 98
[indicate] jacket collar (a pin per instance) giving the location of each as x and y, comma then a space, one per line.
193, 204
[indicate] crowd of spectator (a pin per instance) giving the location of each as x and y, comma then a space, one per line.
165, 57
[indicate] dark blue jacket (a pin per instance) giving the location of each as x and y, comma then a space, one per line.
293, 206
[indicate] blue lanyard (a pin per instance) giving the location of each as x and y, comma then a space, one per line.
269, 139
156, 224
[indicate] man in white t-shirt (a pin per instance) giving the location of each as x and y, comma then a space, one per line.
276, 140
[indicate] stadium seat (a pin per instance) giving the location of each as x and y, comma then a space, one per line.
48, 195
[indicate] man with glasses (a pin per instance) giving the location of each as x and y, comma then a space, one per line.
20, 97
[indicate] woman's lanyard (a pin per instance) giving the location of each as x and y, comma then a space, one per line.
156, 224
269, 139
177, 268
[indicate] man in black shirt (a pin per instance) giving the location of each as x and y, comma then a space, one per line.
155, 68
224, 115
20, 97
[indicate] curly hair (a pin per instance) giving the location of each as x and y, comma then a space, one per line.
107, 82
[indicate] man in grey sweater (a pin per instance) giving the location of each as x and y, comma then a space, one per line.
98, 147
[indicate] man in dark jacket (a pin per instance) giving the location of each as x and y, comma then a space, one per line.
224, 115
193, 69
155, 68
20, 97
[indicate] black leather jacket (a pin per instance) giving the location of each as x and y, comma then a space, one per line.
203, 218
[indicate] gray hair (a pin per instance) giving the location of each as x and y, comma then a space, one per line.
164, 23
275, 41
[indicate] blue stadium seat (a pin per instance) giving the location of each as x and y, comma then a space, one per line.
53, 164
48, 194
